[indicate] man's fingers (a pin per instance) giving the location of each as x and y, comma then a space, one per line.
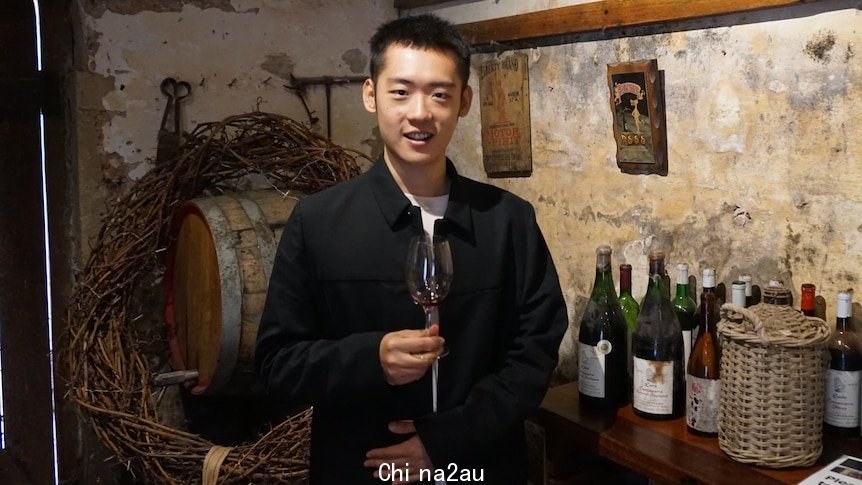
402, 427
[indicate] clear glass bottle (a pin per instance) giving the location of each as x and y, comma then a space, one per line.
602, 349
658, 391
684, 307
702, 383
737, 294
844, 375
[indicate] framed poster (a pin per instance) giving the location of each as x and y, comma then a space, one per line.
504, 91
637, 104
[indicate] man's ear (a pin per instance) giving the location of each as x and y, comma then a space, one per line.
466, 100
368, 98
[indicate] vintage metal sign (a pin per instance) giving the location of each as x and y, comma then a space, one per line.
637, 104
505, 109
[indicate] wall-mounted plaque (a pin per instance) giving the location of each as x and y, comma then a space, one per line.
637, 104
504, 90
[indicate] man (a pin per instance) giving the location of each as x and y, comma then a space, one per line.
340, 330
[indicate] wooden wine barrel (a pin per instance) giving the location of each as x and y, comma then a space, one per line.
217, 272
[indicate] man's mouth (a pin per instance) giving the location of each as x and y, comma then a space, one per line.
419, 136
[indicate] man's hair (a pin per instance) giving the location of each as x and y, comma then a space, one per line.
425, 31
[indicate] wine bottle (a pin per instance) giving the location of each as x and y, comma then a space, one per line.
749, 290
776, 294
658, 391
708, 286
602, 352
628, 304
737, 293
807, 301
630, 309
702, 383
684, 307
845, 370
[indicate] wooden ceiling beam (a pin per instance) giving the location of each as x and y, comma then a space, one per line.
605, 14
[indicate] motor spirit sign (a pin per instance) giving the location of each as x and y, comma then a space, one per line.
504, 90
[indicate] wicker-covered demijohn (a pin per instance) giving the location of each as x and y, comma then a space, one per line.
773, 375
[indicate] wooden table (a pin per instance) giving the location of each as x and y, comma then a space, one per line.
663, 450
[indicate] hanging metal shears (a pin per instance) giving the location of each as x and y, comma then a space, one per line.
169, 142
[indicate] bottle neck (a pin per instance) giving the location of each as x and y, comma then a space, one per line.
604, 282
657, 280
844, 324
709, 315
625, 280
807, 303
681, 290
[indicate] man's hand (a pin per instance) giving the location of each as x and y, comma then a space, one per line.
406, 355
407, 455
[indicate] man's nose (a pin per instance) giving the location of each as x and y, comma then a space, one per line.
419, 109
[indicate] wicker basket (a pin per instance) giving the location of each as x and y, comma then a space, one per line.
773, 374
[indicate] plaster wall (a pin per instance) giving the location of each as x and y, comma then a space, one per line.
762, 124
764, 148
238, 55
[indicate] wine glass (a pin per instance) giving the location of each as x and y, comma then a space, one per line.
429, 273
429, 276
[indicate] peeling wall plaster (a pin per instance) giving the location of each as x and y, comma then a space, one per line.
765, 157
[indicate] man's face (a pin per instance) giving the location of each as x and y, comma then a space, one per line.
418, 98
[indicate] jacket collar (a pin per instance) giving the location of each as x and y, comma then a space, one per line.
394, 205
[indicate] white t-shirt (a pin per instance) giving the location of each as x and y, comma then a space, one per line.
432, 209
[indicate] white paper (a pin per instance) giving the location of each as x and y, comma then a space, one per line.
846, 470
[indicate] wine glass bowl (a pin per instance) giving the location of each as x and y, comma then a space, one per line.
429, 274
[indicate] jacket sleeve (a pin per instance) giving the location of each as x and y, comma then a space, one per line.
293, 356
500, 402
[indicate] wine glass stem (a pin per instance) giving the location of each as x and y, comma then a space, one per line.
432, 317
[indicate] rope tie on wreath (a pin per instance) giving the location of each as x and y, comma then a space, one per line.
212, 463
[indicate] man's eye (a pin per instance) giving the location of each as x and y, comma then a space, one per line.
441, 95
399, 92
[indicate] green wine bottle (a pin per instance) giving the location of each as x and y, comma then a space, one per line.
602, 352
658, 390
628, 304
630, 309
684, 306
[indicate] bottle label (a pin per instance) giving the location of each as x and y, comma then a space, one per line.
653, 386
591, 367
701, 403
842, 398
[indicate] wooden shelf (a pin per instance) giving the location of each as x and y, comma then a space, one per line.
663, 450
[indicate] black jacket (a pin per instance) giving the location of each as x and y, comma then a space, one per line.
337, 287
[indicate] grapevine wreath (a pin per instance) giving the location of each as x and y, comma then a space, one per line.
110, 375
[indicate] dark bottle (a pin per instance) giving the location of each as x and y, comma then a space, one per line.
630, 309
807, 300
708, 286
845, 370
658, 391
702, 383
602, 350
749, 289
684, 307
776, 294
